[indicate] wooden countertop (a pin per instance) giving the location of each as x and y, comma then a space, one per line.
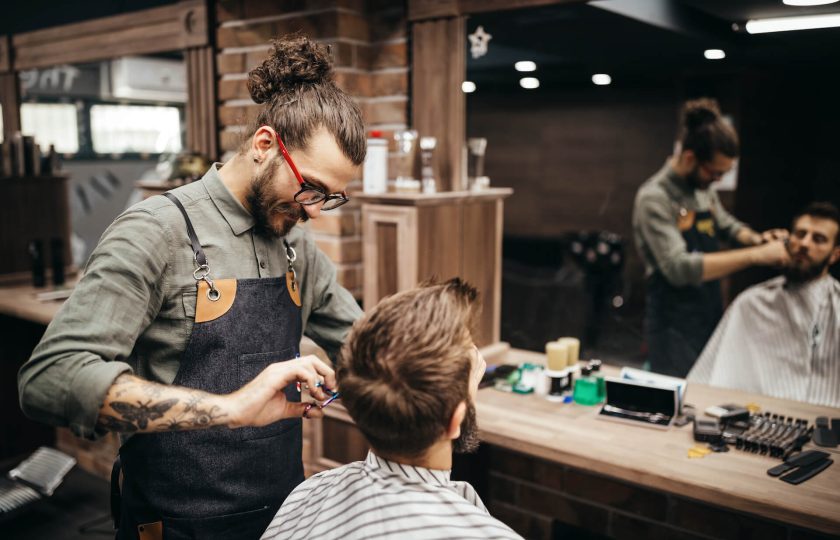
571, 434
20, 301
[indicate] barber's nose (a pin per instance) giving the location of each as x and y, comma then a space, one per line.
313, 210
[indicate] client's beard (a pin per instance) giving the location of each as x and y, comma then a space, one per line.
800, 274
263, 205
467, 442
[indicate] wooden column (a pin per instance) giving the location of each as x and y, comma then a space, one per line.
9, 90
438, 106
202, 124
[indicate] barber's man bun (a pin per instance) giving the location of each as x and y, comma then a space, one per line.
699, 112
293, 62
704, 131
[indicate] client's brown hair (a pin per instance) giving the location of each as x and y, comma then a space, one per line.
406, 365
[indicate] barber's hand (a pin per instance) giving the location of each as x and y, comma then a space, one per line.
773, 253
262, 401
774, 234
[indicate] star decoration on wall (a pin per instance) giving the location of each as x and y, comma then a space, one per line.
478, 42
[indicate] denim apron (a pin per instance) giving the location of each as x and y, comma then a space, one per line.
680, 320
219, 482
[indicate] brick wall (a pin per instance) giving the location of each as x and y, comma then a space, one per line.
544, 500
369, 44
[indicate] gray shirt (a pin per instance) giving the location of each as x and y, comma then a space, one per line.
655, 215
134, 308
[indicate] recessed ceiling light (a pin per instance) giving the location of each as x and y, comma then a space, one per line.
529, 82
525, 65
601, 79
785, 24
714, 54
803, 3
468, 87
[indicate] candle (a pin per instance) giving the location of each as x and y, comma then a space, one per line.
574, 349
558, 355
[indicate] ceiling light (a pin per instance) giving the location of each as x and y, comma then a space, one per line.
601, 79
784, 24
529, 82
803, 3
525, 65
468, 87
714, 54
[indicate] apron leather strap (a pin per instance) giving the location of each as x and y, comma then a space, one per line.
200, 258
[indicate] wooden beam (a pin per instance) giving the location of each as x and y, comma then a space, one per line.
177, 26
439, 59
5, 54
421, 10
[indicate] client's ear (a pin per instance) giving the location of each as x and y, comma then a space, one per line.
835, 255
454, 429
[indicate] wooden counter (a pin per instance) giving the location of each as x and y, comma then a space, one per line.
20, 301
536, 453
571, 434
649, 464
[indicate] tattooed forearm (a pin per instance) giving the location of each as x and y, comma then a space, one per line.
196, 414
135, 405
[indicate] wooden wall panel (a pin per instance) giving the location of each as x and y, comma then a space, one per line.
482, 222
437, 102
5, 54
202, 122
10, 98
178, 26
440, 241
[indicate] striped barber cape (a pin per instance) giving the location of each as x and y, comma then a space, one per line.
778, 339
377, 498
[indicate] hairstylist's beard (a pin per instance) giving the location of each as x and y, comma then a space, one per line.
467, 442
695, 181
804, 270
264, 205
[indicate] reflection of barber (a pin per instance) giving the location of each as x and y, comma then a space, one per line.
677, 223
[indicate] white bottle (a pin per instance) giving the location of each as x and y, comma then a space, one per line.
375, 172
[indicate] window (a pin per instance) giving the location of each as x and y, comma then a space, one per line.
118, 129
51, 123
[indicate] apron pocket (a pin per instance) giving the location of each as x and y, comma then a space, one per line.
251, 365
243, 525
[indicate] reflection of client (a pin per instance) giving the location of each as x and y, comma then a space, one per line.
782, 337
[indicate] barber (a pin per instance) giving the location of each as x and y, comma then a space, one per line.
678, 222
184, 333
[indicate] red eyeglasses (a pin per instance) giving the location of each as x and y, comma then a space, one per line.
309, 193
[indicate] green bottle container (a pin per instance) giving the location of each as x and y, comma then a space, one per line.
588, 389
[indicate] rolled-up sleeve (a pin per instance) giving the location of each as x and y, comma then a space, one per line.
88, 342
658, 228
334, 310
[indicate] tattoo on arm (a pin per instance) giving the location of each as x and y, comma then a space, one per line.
134, 405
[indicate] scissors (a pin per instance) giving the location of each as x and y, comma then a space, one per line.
333, 396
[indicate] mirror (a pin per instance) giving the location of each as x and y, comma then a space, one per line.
594, 114
114, 122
